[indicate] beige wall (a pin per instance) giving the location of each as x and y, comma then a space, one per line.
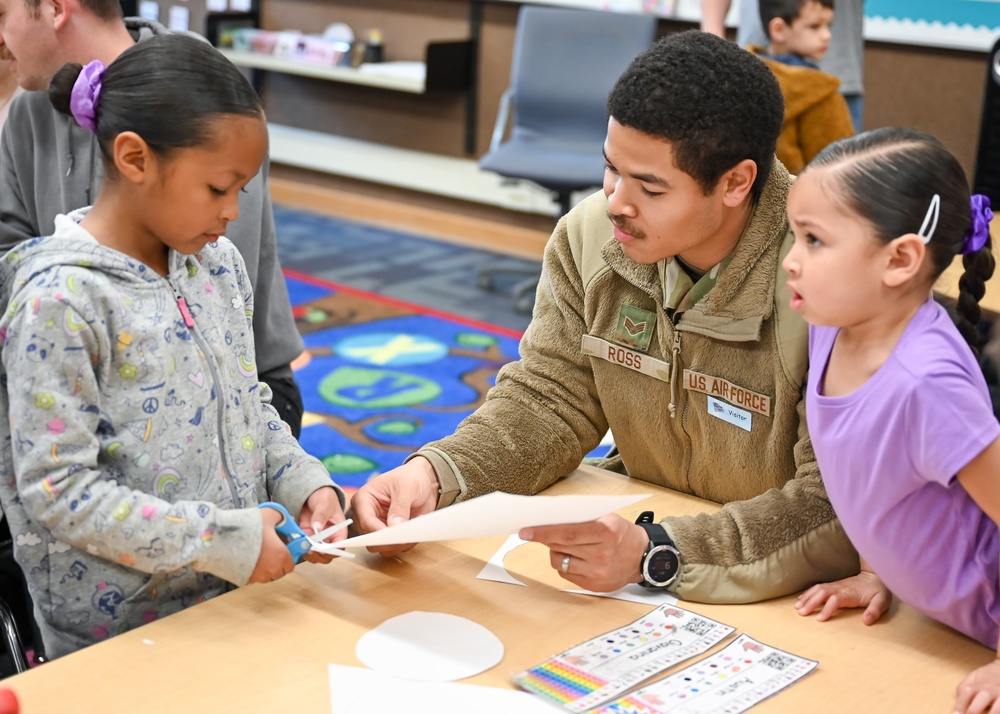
940, 91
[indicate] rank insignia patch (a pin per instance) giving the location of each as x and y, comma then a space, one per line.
635, 327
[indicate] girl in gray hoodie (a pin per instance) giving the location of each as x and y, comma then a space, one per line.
138, 441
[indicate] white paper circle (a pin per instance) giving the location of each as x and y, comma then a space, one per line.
430, 647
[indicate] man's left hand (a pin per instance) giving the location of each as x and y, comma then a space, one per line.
604, 555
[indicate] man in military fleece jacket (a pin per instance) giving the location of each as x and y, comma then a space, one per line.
662, 314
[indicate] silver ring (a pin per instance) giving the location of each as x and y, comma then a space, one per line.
565, 564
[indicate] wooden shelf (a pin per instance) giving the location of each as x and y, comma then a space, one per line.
349, 75
448, 67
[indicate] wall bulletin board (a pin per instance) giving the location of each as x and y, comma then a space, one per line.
954, 24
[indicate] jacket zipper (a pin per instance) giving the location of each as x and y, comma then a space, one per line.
188, 318
675, 351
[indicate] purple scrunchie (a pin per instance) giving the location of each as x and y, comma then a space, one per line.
979, 231
85, 95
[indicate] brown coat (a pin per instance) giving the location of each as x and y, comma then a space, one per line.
815, 112
777, 532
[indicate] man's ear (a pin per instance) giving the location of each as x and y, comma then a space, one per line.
736, 183
59, 11
133, 157
906, 255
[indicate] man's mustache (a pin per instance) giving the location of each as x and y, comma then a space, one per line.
623, 226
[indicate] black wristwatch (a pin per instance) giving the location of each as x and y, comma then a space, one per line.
661, 563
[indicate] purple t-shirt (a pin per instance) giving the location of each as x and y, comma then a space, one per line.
889, 453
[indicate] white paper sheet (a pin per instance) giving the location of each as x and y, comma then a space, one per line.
430, 647
495, 569
492, 515
633, 592
356, 690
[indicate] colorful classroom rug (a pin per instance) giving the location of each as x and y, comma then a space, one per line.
381, 377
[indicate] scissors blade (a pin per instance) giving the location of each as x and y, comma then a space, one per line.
324, 534
331, 549
318, 544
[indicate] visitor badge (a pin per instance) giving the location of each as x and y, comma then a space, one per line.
727, 412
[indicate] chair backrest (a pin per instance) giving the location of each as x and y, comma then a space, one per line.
566, 62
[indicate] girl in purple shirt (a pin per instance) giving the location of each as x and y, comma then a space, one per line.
898, 410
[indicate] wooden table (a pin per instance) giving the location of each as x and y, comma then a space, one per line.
265, 648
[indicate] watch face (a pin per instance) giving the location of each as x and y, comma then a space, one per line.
662, 565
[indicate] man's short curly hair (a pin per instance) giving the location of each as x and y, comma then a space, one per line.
715, 103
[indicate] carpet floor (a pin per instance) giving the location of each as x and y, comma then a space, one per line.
398, 265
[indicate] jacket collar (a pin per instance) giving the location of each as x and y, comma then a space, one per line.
744, 296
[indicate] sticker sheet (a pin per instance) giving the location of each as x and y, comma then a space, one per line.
731, 681
601, 669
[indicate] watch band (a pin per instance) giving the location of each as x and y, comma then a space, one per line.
661, 563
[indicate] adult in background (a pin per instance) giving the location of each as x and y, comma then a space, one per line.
9, 88
50, 165
662, 315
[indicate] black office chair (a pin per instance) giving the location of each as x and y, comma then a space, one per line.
986, 179
13, 608
565, 63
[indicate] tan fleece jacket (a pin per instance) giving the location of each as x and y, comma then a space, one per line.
777, 532
815, 112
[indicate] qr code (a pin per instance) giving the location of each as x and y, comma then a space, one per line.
698, 626
777, 661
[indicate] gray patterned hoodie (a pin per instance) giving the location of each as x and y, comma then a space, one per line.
139, 440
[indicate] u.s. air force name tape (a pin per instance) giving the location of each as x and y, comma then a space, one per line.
602, 349
659, 369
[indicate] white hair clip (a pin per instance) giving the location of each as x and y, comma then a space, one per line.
929, 225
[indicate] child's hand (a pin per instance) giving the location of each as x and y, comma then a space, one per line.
274, 560
862, 590
8, 702
979, 690
321, 510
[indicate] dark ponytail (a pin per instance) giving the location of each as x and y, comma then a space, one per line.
889, 177
166, 89
979, 268
61, 86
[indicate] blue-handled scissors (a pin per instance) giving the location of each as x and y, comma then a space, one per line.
299, 542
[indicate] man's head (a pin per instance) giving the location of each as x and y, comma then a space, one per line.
104, 9
798, 27
690, 143
715, 103
39, 36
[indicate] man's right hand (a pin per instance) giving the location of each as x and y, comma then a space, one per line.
394, 497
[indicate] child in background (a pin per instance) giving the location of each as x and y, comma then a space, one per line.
896, 403
140, 441
816, 114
